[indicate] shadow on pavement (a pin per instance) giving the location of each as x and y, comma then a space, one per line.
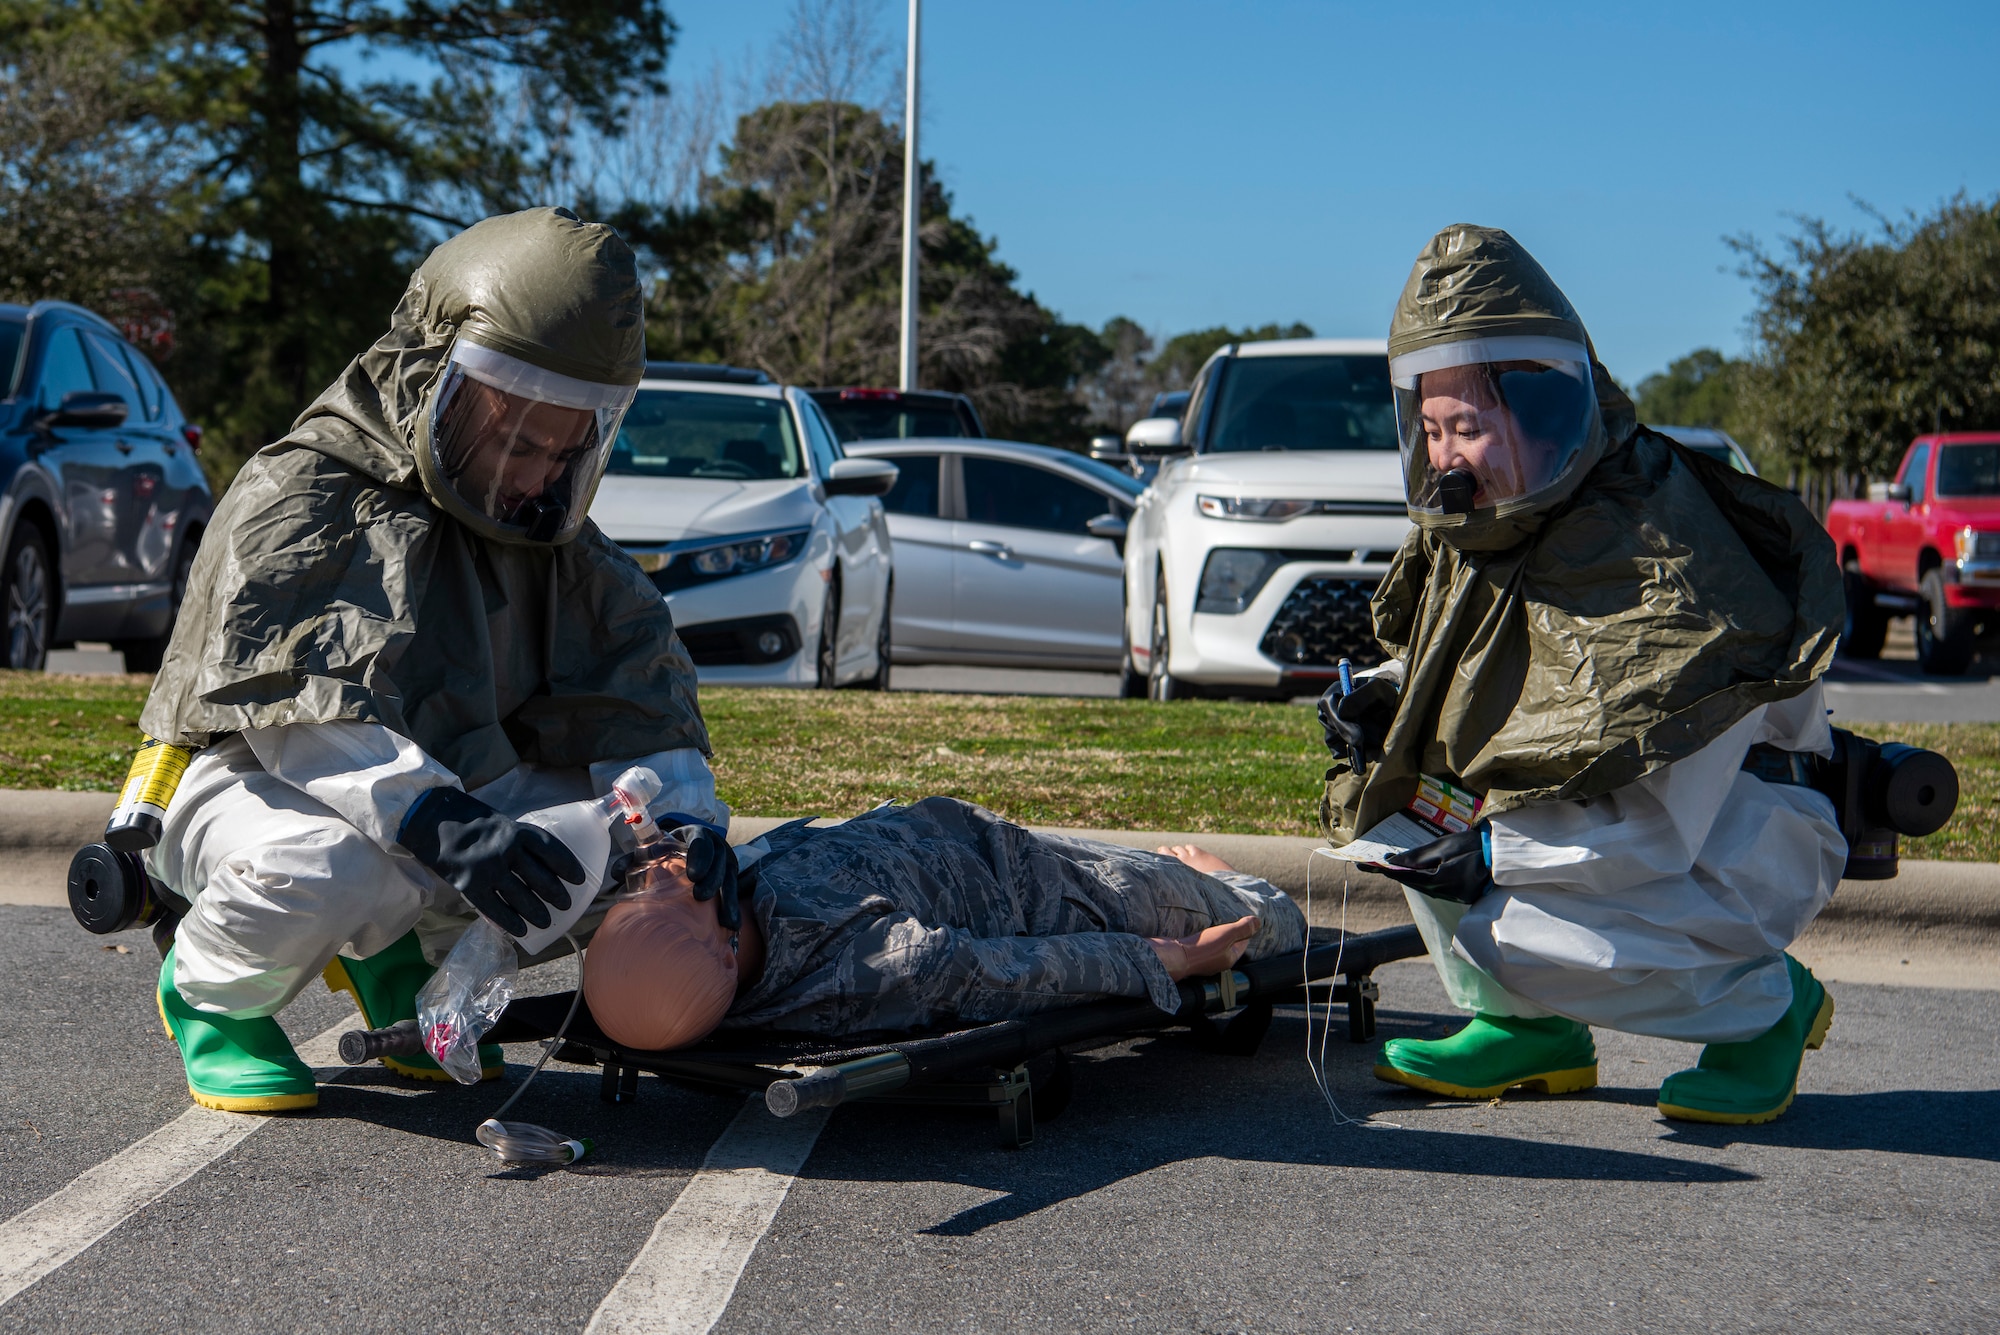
1161, 1102
1950, 1124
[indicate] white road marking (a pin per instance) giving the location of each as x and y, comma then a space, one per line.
681, 1281
48, 1235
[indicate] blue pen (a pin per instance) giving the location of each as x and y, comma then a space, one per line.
1354, 756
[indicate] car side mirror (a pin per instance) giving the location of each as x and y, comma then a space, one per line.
1901, 492
87, 408
861, 477
1154, 435
1109, 527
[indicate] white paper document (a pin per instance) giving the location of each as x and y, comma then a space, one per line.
1397, 834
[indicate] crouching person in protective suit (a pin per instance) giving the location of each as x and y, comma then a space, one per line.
1617, 645
401, 633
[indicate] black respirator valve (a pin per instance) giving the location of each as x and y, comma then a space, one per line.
1456, 489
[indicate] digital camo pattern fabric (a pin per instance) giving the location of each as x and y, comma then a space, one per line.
911, 915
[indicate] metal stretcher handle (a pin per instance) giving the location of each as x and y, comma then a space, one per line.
830, 1086
365, 1045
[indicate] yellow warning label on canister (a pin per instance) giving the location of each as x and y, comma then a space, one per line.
156, 771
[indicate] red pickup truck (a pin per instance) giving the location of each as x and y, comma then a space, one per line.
1927, 543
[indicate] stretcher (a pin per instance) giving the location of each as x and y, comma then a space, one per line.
1016, 1067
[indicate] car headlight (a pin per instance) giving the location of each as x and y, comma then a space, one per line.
1975, 545
679, 566
737, 558
1233, 577
1270, 511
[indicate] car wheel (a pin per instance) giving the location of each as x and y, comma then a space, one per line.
29, 598
1866, 625
1160, 683
146, 655
1944, 633
880, 681
827, 660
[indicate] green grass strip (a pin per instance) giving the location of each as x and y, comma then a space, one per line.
1211, 766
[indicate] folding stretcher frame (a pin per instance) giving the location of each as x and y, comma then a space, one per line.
1005, 1065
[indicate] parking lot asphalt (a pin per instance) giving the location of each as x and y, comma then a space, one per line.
1181, 1191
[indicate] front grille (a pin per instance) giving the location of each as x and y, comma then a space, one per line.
1324, 620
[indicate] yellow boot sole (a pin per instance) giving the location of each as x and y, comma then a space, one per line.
1572, 1081
1815, 1039
259, 1103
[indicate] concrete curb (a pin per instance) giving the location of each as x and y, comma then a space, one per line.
40, 830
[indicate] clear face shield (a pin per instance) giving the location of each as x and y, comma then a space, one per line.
517, 451
1493, 423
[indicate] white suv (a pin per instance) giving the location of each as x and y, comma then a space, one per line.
767, 542
1251, 560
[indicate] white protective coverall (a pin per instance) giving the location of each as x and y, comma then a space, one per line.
284, 840
1661, 908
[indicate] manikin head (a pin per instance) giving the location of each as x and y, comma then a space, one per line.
661, 972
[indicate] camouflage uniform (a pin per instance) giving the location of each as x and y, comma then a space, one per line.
910, 915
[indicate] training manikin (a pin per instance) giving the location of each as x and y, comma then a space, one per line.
909, 915
1603, 636
402, 632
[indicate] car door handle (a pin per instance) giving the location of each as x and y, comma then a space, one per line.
985, 548
124, 446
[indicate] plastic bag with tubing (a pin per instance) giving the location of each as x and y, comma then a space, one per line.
464, 998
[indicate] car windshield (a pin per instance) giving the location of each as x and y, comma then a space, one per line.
1105, 473
1969, 470
1304, 403
10, 354
687, 433
1715, 450
889, 419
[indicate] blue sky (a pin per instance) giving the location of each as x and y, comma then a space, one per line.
1198, 164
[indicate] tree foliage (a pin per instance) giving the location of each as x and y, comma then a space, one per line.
790, 261
325, 143
1863, 342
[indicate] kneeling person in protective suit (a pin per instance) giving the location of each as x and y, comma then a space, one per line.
401, 633
1618, 646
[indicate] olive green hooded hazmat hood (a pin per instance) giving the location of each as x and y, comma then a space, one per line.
331, 584
1618, 619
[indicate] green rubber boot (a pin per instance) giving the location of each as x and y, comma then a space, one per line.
1492, 1055
234, 1065
1754, 1081
384, 987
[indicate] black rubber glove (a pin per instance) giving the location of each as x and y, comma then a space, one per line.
711, 866
1453, 868
1359, 723
510, 872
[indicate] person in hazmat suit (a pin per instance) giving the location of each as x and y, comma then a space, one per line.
401, 632
1614, 647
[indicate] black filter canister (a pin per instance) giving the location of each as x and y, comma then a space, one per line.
108, 890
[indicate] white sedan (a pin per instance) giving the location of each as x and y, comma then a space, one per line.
1007, 555
769, 545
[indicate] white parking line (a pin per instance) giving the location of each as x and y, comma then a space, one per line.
682, 1279
48, 1235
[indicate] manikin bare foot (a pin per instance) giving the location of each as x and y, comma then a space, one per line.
1195, 856
1206, 952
